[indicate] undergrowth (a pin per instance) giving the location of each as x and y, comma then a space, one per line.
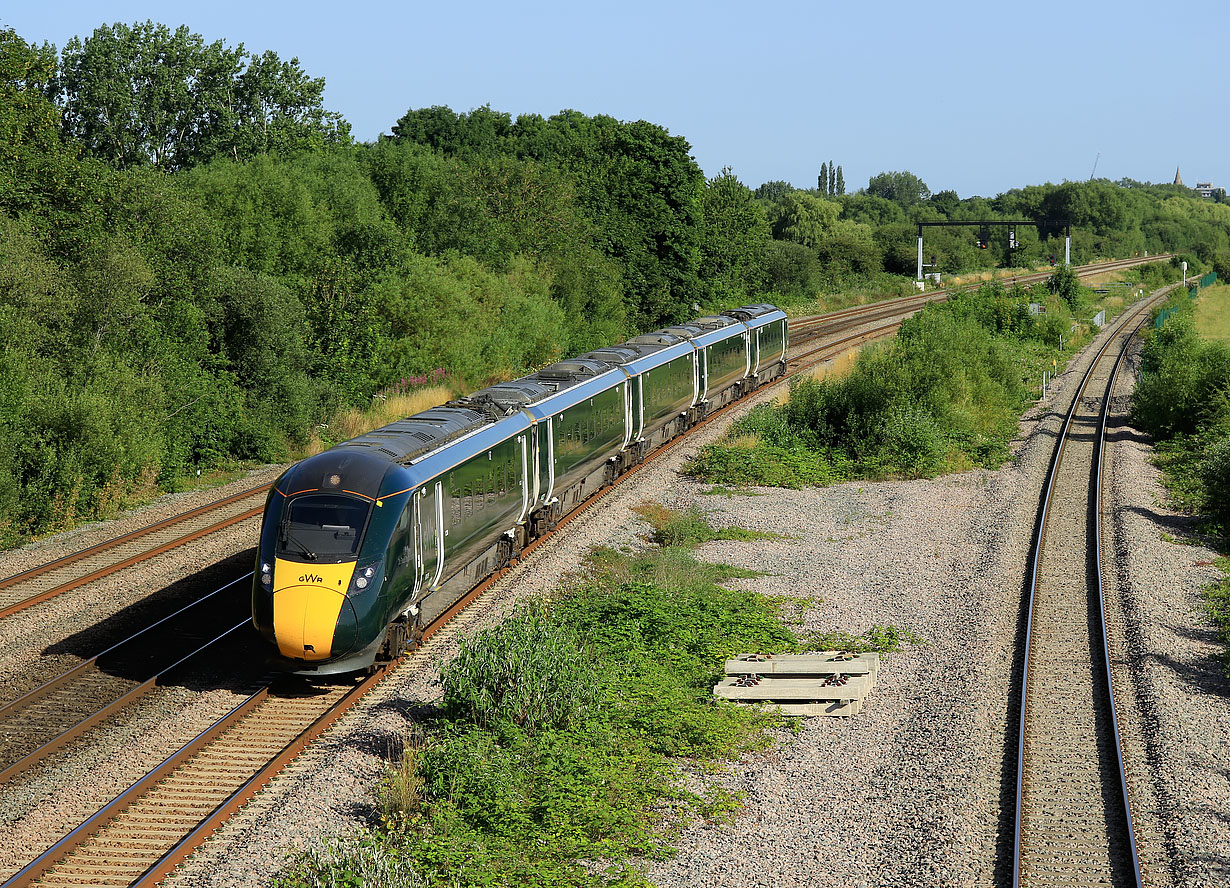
1183, 401
944, 395
557, 754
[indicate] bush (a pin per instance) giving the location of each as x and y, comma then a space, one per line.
528, 671
1215, 473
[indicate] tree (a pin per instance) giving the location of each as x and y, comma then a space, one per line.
144, 95
841, 181
822, 183
832, 178
733, 240
903, 187
805, 218
278, 109
773, 191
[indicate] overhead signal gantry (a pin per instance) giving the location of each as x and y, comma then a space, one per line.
984, 234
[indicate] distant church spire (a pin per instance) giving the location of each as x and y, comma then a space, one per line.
1178, 180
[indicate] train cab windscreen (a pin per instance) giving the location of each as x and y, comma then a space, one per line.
322, 527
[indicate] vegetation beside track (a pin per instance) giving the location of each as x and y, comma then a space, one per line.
944, 395
221, 282
558, 752
1183, 401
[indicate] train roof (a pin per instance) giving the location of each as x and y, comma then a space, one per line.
409, 438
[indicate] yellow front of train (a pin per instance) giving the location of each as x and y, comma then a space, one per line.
316, 593
308, 600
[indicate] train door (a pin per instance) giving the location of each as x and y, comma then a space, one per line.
430, 537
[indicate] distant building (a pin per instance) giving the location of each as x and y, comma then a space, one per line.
1209, 190
1178, 180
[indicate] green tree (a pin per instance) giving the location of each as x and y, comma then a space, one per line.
822, 182
773, 191
146, 95
733, 239
841, 182
805, 218
903, 187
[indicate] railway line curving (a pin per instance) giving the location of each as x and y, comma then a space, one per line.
798, 361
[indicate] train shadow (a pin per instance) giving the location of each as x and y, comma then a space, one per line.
237, 660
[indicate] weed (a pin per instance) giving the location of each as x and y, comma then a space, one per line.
689, 529
728, 492
528, 670
885, 639
362, 860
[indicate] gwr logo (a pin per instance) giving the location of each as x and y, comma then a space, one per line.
311, 578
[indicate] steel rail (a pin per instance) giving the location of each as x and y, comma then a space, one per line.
116, 705
139, 557
66, 560
1039, 539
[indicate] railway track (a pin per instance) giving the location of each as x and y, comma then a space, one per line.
46, 581
155, 824
102, 687
1073, 814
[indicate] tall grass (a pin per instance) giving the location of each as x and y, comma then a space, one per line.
527, 671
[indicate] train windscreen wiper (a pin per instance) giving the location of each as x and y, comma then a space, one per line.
288, 537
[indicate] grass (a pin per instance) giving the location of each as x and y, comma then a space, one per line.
1212, 312
581, 784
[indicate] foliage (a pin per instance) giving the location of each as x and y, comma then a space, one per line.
355, 861
527, 671
902, 187
1185, 381
635, 182
146, 95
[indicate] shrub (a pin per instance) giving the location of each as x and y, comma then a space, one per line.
1215, 472
528, 670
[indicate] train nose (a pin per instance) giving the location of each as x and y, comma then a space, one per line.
310, 609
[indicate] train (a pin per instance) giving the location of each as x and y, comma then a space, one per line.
363, 546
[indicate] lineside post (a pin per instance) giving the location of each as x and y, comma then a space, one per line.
920, 277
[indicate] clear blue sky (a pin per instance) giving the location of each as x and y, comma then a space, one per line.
978, 97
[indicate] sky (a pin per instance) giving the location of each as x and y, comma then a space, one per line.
977, 97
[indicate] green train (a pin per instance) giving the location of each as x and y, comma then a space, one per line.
365, 545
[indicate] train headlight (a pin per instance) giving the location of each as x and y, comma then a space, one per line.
364, 577
266, 574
